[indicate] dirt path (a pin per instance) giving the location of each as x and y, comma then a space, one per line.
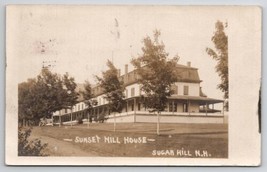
61, 148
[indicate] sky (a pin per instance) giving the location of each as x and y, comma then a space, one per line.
80, 39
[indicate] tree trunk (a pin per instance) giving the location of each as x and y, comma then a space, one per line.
158, 123
59, 118
71, 117
88, 120
114, 126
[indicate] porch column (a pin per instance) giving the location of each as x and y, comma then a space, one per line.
134, 109
98, 111
127, 106
188, 106
206, 108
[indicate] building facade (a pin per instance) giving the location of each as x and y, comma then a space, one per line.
187, 104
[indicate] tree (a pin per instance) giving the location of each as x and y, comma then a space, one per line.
220, 54
25, 101
38, 98
69, 94
48, 93
113, 88
87, 96
45, 94
156, 73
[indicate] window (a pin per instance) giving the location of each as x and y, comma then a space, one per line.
174, 89
132, 92
66, 111
186, 90
78, 107
82, 106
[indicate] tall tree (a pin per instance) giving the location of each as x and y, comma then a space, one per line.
220, 54
25, 101
45, 94
88, 98
69, 94
113, 88
49, 93
156, 73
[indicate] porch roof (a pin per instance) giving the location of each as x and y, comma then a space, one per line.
199, 99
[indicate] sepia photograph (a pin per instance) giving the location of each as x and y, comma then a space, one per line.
121, 82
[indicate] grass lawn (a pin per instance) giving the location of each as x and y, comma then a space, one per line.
136, 140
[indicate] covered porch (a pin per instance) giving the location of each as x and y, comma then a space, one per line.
193, 104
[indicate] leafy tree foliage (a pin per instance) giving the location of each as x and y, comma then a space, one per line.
220, 54
49, 93
156, 72
88, 97
69, 94
45, 94
113, 88
26, 99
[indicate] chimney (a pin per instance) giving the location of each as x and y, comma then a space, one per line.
189, 64
126, 69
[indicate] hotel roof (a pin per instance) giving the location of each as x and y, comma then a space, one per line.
186, 74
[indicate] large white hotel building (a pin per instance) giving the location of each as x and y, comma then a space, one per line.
187, 104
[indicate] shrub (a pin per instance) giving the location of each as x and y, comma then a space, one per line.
80, 119
102, 118
91, 119
28, 147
